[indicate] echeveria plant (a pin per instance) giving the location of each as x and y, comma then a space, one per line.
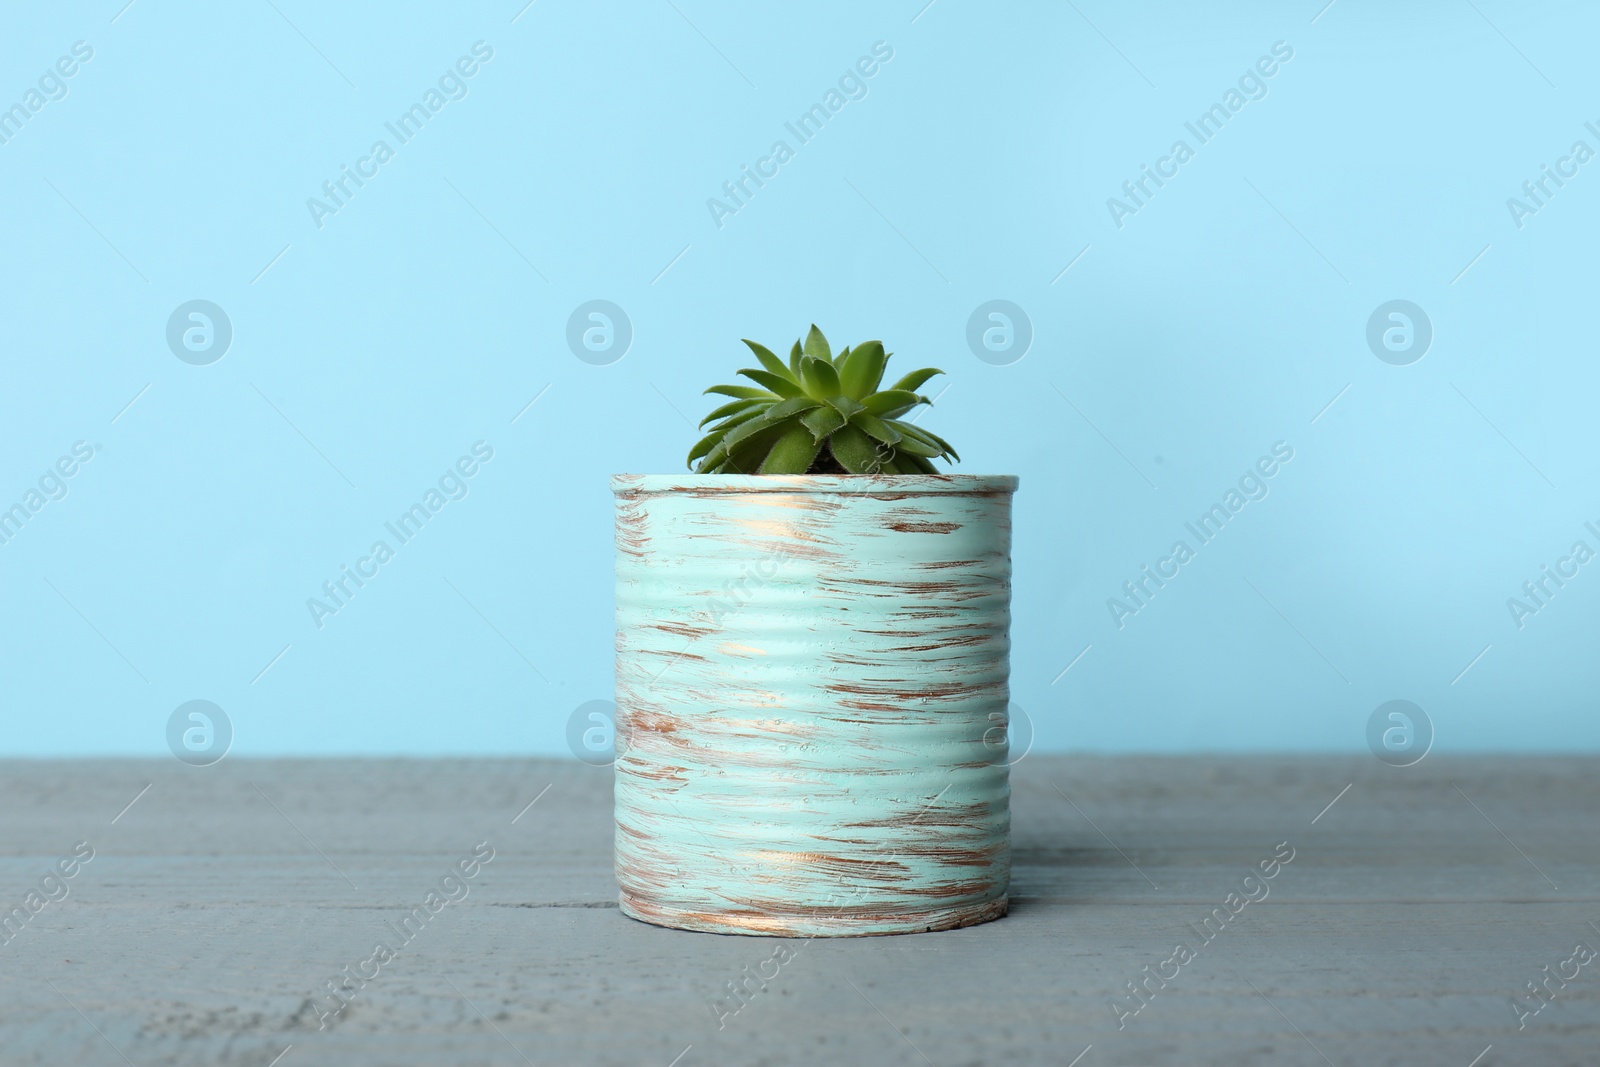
819, 414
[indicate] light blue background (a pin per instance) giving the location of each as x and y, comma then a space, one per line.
1220, 319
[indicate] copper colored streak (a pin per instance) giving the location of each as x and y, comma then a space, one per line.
925, 527
835, 784
683, 629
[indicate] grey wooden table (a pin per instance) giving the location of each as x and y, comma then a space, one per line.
219, 906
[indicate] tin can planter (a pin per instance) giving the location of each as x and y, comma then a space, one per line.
812, 683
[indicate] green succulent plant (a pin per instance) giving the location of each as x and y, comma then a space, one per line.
819, 414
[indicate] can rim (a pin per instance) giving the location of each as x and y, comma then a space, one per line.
828, 484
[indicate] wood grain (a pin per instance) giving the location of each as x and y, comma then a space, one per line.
1399, 934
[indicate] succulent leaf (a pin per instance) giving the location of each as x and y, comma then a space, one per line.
823, 422
915, 380
744, 392
841, 360
728, 409
739, 420
821, 413
931, 439
747, 456
786, 409
704, 445
877, 429
865, 371
855, 451
782, 386
817, 345
890, 403
915, 446
793, 452
770, 361
821, 380
845, 406
773, 417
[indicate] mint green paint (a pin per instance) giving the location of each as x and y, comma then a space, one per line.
811, 695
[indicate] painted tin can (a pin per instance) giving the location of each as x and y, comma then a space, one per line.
812, 689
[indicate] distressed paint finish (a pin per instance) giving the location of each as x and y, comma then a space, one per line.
812, 682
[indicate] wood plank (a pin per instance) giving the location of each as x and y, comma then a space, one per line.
1413, 912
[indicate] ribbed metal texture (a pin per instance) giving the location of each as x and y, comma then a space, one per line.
811, 700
